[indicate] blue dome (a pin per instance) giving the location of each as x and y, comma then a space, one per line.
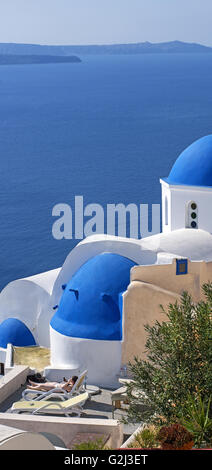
194, 165
15, 332
90, 306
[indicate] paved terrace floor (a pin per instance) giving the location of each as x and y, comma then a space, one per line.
98, 406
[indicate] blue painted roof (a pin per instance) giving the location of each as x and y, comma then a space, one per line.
90, 304
194, 165
15, 332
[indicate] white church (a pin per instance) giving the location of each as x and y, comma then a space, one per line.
91, 311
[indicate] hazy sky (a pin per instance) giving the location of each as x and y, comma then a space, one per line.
105, 21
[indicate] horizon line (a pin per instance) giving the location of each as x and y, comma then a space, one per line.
105, 44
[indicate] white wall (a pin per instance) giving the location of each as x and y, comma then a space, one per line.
12, 381
166, 195
15, 439
193, 244
102, 359
178, 197
28, 300
65, 428
3, 353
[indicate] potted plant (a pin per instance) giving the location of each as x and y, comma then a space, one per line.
175, 437
145, 438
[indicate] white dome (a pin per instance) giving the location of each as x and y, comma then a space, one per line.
193, 244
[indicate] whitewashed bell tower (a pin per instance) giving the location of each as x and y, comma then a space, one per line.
187, 192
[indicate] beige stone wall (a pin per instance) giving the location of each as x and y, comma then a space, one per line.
150, 287
164, 276
141, 305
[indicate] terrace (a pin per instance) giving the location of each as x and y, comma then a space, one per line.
97, 420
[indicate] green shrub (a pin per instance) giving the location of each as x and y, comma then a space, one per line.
146, 438
91, 445
178, 364
196, 419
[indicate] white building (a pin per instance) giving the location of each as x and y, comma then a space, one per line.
77, 310
187, 192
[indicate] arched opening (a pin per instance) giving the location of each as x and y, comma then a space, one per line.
166, 211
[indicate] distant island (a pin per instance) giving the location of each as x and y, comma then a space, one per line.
172, 47
19, 59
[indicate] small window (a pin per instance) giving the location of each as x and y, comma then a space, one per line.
181, 266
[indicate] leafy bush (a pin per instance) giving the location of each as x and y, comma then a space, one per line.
178, 364
175, 435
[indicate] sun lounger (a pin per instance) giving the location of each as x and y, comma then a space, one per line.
61, 394
73, 405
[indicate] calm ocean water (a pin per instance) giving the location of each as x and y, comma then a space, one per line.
106, 129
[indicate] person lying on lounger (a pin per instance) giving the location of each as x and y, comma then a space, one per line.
45, 387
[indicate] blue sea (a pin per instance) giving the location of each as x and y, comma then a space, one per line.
106, 129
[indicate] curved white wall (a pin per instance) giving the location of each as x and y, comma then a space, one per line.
193, 244
102, 359
94, 245
28, 300
15, 439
